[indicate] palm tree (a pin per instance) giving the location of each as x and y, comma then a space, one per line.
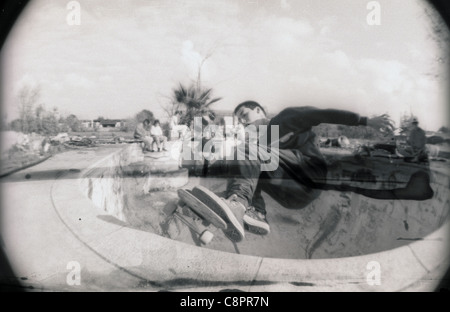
197, 100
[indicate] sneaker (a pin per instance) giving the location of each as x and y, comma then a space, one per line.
256, 222
235, 230
230, 210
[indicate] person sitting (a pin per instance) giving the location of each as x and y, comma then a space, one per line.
157, 135
142, 132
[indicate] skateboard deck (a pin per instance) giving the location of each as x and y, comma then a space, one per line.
234, 230
199, 207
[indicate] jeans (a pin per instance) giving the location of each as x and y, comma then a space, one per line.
148, 141
291, 184
160, 140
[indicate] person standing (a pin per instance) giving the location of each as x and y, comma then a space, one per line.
175, 125
417, 141
415, 151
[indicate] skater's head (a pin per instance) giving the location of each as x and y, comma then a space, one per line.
146, 122
156, 123
249, 111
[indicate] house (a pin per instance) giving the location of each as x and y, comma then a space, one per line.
111, 123
87, 124
108, 123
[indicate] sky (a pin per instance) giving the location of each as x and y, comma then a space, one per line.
125, 56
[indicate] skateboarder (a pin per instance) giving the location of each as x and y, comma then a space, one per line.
300, 164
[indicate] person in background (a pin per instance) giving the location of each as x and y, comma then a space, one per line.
157, 135
416, 144
417, 140
142, 132
175, 125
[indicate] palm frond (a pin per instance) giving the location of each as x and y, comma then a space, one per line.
204, 96
181, 94
196, 99
212, 101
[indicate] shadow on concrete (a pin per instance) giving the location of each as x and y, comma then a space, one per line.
126, 279
43, 175
113, 220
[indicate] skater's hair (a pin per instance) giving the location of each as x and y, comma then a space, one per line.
156, 122
249, 104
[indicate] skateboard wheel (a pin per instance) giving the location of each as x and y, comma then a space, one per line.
206, 237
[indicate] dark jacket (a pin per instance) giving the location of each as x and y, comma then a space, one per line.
300, 121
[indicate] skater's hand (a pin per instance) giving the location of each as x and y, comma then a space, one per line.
381, 123
286, 137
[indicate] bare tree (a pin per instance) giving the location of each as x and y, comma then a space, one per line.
200, 65
170, 105
28, 97
73, 123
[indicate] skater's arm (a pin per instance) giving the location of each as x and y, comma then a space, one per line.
306, 117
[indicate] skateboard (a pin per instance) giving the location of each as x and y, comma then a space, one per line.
212, 208
234, 228
200, 208
186, 217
